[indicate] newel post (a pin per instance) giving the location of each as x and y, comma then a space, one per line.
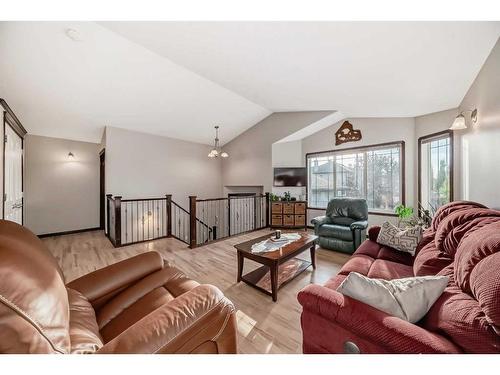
192, 221
118, 221
108, 198
268, 198
169, 215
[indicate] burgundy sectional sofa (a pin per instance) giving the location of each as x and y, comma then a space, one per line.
463, 243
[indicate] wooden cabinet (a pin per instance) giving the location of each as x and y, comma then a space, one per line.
288, 214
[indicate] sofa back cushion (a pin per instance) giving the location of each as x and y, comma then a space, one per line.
34, 311
437, 248
353, 208
445, 210
469, 310
458, 224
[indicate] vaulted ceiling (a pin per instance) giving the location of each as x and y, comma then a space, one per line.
181, 78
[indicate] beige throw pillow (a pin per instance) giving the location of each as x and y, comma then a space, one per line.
405, 240
409, 299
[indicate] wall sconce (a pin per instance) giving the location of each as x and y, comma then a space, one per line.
71, 156
459, 122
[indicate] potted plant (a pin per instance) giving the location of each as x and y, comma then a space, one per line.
404, 213
273, 197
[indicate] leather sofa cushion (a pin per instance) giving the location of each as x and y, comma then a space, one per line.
336, 244
34, 311
353, 208
336, 231
144, 297
341, 220
83, 329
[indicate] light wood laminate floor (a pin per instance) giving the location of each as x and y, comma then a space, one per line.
263, 326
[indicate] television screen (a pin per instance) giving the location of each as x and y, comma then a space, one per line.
290, 177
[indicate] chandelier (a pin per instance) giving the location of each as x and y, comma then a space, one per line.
217, 151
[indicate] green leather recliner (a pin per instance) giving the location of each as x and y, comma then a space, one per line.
343, 228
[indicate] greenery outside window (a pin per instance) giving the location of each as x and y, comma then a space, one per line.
435, 173
375, 173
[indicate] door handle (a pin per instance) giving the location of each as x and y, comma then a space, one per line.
17, 205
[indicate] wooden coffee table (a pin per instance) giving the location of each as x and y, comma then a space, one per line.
279, 266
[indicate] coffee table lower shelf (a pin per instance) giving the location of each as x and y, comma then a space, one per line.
260, 278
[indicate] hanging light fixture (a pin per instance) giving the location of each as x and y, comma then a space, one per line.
217, 151
459, 122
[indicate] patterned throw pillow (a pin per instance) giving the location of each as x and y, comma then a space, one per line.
405, 240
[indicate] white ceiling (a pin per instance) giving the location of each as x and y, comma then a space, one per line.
364, 69
68, 89
180, 78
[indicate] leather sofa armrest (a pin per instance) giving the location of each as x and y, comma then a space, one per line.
319, 221
373, 233
199, 321
103, 284
363, 224
367, 323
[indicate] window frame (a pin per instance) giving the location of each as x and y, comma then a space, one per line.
400, 144
428, 138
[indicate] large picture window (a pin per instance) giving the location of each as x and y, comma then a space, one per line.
435, 174
375, 173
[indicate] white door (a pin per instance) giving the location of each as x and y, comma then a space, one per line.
13, 178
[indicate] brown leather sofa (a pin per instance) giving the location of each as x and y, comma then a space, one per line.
139, 305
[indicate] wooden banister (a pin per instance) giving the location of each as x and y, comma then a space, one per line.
192, 221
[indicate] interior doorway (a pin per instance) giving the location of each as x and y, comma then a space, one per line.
102, 189
13, 182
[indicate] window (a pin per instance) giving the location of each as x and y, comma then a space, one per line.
373, 172
435, 174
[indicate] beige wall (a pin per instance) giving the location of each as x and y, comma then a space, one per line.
140, 165
374, 131
480, 143
477, 149
60, 194
250, 161
288, 154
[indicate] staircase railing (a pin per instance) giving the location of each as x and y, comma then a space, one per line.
226, 217
132, 221
137, 220
180, 225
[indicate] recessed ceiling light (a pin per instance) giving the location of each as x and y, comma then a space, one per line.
73, 35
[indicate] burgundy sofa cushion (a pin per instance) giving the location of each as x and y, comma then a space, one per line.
458, 316
456, 225
387, 270
447, 209
377, 261
430, 260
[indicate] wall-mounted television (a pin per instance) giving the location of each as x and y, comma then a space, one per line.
287, 177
